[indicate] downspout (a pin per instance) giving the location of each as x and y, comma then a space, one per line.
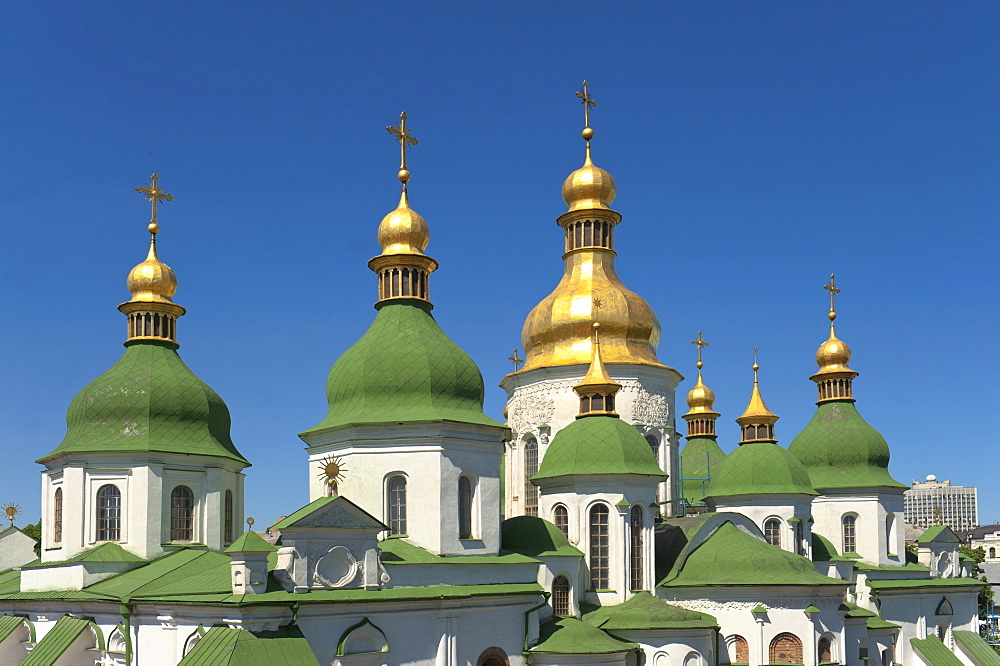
527, 615
126, 612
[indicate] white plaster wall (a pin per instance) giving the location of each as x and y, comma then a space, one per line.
575, 570
915, 610
545, 396
16, 548
872, 510
759, 508
680, 647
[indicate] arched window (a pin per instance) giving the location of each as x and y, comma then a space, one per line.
530, 469
464, 508
397, 505
635, 561
599, 547
993, 553
800, 539
786, 649
772, 531
825, 650
654, 444
227, 518
849, 523
560, 516
109, 513
890, 541
57, 517
560, 596
181, 514
493, 656
739, 650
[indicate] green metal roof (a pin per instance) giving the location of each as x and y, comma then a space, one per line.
404, 368
250, 542
938, 534
598, 445
106, 552
398, 550
730, 556
760, 468
644, 611
910, 583
8, 623
149, 401
568, 635
824, 551
59, 638
222, 646
981, 651
935, 652
534, 537
322, 502
701, 458
840, 450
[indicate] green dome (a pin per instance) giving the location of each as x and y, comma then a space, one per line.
700, 458
534, 536
760, 468
598, 445
404, 368
149, 401
840, 450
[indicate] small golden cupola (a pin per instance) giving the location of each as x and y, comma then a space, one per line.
558, 329
151, 313
701, 413
403, 269
834, 379
597, 389
757, 421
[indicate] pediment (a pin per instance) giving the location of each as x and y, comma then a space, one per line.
332, 512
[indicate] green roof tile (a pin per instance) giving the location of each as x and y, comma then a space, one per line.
981, 651
250, 542
935, 652
840, 450
57, 641
106, 552
322, 502
938, 534
397, 550
149, 401
824, 551
404, 368
644, 611
701, 458
222, 646
760, 468
8, 623
730, 556
913, 583
568, 635
534, 537
598, 445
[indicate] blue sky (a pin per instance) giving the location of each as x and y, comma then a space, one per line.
757, 147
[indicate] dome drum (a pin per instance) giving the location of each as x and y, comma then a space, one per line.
403, 275
585, 230
152, 320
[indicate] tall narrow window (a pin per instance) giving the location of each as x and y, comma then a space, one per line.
561, 519
227, 518
397, 505
654, 444
850, 524
599, 547
109, 513
635, 561
181, 514
464, 508
530, 469
57, 516
772, 531
800, 539
825, 650
560, 596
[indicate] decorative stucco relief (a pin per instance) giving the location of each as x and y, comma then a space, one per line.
531, 406
650, 409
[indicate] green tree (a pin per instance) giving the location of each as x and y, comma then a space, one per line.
978, 555
35, 532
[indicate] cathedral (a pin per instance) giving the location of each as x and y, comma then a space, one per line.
583, 530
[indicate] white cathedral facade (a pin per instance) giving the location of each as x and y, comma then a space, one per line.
581, 531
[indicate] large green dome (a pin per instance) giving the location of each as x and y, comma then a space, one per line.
149, 401
701, 458
404, 368
598, 445
760, 468
840, 450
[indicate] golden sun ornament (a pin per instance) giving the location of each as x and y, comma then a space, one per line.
332, 470
12, 510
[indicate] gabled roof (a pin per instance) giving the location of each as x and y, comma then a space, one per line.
8, 623
934, 652
644, 611
938, 534
981, 651
222, 646
567, 635
535, 537
331, 512
106, 552
250, 542
59, 638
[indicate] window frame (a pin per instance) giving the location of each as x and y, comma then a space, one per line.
182, 518
107, 514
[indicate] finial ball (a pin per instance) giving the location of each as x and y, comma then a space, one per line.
404, 175
587, 133
832, 315
756, 367
596, 325
699, 365
153, 227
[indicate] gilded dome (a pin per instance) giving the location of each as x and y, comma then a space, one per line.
701, 399
757, 410
589, 187
833, 355
152, 280
403, 231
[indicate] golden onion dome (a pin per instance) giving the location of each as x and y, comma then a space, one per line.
833, 355
701, 399
589, 187
403, 231
152, 280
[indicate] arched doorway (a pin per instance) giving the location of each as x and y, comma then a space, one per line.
493, 656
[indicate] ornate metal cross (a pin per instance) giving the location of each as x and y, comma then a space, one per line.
403, 136
832, 288
155, 195
702, 343
517, 360
587, 102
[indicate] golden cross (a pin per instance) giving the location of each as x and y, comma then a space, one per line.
702, 343
156, 195
516, 359
587, 102
404, 137
832, 288
755, 366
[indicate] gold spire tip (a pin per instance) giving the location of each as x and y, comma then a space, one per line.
155, 195
834, 290
587, 101
755, 366
702, 343
403, 136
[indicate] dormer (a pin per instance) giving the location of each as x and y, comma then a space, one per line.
937, 549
